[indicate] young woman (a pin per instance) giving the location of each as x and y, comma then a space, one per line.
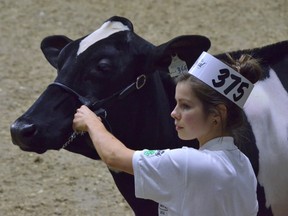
215, 180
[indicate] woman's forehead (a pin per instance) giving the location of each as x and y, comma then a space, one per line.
184, 91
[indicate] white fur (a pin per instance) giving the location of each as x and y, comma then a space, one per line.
107, 29
267, 112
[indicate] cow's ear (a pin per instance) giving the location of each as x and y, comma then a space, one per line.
188, 48
51, 47
123, 20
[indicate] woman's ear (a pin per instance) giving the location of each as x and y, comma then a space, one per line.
222, 110
222, 117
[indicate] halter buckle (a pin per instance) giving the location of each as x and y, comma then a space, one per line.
140, 81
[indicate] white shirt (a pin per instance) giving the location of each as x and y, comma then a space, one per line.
216, 180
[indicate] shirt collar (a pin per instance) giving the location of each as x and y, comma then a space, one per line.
219, 143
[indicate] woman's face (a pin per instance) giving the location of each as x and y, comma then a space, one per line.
190, 119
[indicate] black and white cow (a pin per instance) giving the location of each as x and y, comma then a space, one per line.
118, 73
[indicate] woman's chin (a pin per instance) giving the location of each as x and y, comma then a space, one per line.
185, 136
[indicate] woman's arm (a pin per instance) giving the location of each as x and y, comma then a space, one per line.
111, 150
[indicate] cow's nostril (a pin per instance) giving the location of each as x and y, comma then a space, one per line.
28, 130
22, 130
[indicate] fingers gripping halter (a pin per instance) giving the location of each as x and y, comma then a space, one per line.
222, 78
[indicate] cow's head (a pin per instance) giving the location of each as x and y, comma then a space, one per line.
94, 67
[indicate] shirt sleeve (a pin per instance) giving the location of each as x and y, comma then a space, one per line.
159, 174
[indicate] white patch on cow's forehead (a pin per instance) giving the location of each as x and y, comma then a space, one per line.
107, 29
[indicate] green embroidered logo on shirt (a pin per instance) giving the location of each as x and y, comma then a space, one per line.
150, 153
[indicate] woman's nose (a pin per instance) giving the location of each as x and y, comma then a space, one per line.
174, 114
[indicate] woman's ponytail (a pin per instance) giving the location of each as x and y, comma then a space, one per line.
247, 66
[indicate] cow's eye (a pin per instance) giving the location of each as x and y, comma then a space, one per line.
104, 65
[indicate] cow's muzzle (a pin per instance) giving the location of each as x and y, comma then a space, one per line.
22, 135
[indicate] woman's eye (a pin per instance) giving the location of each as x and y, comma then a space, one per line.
185, 106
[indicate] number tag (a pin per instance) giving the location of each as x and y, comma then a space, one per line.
177, 67
222, 78
231, 83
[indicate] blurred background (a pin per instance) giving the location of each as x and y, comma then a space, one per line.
63, 183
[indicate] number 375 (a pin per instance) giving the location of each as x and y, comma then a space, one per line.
222, 78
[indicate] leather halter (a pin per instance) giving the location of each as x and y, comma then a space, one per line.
96, 105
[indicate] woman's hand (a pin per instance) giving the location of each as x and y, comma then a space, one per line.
84, 119
111, 150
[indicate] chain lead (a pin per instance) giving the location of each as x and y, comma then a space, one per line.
72, 137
